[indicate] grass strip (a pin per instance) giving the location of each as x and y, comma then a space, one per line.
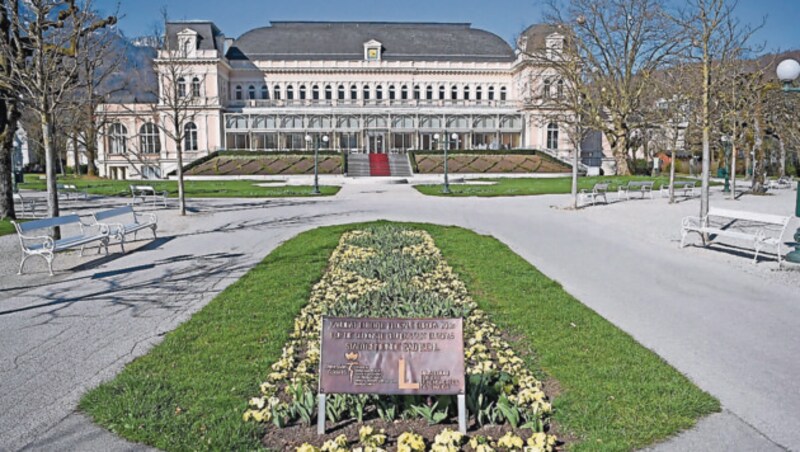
190, 391
6, 227
526, 186
194, 188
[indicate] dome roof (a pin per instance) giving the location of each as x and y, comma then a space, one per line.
401, 41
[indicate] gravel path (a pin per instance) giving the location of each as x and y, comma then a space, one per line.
732, 327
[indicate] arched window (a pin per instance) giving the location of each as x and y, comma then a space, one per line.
195, 87
491, 93
290, 92
552, 136
340, 92
478, 93
560, 89
117, 139
302, 92
404, 92
181, 87
546, 89
365, 92
276, 92
466, 92
392, 93
251, 92
379, 92
442, 92
454, 92
264, 92
238, 92
148, 138
503, 93
315, 92
353, 92
429, 92
328, 92
190, 137
416, 92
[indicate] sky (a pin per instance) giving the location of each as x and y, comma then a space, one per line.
506, 18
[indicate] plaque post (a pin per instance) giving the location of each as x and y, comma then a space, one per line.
320, 414
462, 413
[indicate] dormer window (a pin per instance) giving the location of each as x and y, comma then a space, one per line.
187, 42
372, 50
554, 44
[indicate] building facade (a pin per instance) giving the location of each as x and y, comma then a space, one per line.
346, 86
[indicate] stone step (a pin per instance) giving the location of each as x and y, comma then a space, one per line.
399, 165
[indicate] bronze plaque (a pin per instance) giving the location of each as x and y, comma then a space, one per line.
392, 356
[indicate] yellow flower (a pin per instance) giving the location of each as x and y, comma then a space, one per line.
307, 448
510, 441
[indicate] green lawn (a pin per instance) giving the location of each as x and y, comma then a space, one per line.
194, 189
533, 186
190, 391
6, 227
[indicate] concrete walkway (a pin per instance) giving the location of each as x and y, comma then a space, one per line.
732, 327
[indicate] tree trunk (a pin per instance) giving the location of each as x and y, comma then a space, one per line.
782, 160
76, 154
91, 140
759, 165
673, 156
706, 163
181, 194
50, 166
733, 165
575, 160
6, 183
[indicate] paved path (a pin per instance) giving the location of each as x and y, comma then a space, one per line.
732, 327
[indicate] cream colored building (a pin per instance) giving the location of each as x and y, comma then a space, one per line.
364, 86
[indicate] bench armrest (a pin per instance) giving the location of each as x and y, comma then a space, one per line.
691, 222
46, 241
150, 216
111, 228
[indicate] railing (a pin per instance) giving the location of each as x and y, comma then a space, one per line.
407, 103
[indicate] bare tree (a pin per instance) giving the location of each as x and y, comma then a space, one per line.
50, 33
620, 44
9, 116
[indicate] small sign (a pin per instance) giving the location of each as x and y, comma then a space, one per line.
392, 356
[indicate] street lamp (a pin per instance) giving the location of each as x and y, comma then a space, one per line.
726, 148
324, 139
789, 71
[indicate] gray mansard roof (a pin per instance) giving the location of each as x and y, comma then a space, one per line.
345, 41
209, 36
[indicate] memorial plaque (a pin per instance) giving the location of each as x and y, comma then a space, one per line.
392, 356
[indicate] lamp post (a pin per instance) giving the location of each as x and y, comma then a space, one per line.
324, 139
789, 71
726, 149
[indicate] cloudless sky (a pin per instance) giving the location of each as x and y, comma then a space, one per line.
505, 18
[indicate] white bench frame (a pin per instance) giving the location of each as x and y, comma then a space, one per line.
782, 182
45, 246
147, 191
599, 190
28, 204
68, 190
119, 230
687, 187
640, 186
764, 223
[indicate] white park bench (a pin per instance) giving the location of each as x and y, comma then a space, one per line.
682, 188
759, 229
45, 246
122, 221
28, 205
598, 191
71, 191
148, 193
635, 186
781, 182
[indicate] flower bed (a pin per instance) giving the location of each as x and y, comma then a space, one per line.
386, 271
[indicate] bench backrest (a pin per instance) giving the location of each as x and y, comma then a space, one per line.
17, 197
140, 188
639, 183
748, 216
684, 183
600, 187
119, 211
47, 223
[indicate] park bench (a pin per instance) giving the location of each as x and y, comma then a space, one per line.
635, 186
682, 188
598, 191
125, 221
781, 182
147, 192
71, 191
28, 205
759, 229
45, 246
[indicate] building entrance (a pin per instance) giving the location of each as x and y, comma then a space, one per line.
376, 142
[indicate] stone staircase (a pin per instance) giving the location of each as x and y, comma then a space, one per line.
379, 165
399, 165
357, 165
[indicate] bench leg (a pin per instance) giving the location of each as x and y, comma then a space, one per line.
758, 250
22, 264
81, 253
122, 242
154, 231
